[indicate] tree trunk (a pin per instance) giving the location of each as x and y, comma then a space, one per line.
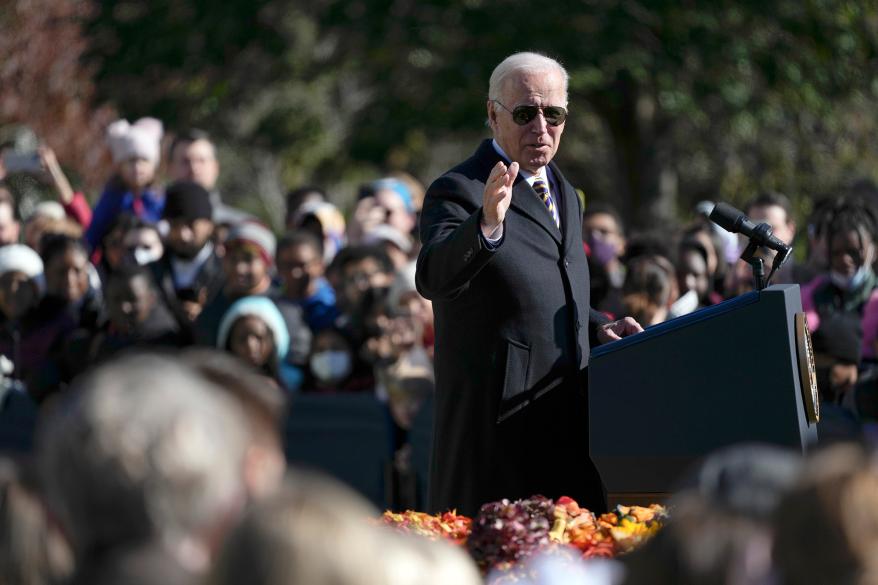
646, 183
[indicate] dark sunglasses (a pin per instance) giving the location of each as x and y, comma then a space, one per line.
521, 115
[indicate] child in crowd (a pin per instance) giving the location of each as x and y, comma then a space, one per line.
68, 279
332, 363
136, 316
325, 222
113, 246
254, 330
136, 152
247, 266
300, 268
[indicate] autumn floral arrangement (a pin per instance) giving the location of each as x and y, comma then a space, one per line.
504, 533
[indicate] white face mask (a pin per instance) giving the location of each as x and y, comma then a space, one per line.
850, 283
144, 255
331, 366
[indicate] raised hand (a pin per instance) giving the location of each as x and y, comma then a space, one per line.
59, 179
498, 195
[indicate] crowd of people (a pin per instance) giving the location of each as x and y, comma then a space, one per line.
161, 262
110, 308
658, 276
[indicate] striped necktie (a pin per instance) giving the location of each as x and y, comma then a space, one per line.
543, 191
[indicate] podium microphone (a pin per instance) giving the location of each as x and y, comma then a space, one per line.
733, 220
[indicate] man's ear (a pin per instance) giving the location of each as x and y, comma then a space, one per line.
492, 114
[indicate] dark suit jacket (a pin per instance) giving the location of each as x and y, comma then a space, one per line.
512, 343
210, 278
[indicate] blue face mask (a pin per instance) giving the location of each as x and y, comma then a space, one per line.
851, 283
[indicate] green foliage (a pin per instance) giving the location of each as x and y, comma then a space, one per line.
720, 99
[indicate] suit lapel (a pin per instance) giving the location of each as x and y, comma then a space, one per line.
524, 198
568, 203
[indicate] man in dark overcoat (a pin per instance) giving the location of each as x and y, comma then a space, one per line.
504, 265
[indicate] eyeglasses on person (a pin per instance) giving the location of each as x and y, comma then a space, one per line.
521, 115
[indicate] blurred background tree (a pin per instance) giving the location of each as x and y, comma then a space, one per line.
46, 87
671, 102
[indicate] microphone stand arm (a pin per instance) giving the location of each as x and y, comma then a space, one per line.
756, 263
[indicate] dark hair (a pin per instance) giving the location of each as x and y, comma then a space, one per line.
125, 222
851, 215
297, 196
352, 254
691, 245
189, 136
652, 243
771, 199
128, 272
300, 238
598, 208
647, 288
53, 245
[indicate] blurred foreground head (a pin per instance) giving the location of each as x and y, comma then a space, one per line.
315, 531
720, 528
145, 452
827, 527
32, 551
263, 404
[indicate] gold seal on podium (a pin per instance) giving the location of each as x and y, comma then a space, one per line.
807, 371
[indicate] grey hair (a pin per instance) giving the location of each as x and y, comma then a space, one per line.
145, 449
315, 530
518, 62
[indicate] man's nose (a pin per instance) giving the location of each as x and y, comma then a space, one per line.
539, 124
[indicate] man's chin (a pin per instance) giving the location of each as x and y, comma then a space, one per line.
536, 163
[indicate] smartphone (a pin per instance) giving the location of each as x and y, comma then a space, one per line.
22, 162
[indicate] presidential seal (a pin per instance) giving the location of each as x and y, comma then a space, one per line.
807, 371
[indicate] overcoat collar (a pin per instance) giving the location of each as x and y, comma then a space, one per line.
527, 202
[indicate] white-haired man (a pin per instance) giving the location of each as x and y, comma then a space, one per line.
504, 265
143, 465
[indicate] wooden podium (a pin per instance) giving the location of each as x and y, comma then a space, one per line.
660, 401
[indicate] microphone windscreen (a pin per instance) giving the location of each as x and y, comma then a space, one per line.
727, 217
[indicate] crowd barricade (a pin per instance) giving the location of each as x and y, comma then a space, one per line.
347, 436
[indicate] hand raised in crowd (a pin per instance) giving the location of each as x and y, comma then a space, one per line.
59, 179
394, 336
616, 330
497, 197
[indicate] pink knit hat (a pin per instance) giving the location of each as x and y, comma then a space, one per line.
141, 139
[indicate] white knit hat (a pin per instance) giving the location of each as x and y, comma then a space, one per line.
141, 139
262, 308
21, 258
50, 209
